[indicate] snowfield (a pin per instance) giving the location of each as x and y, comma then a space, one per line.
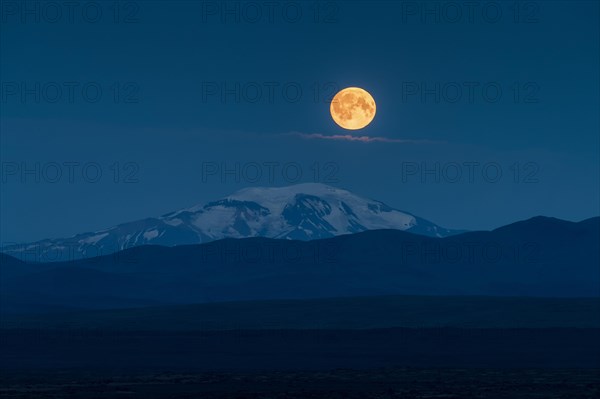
301, 212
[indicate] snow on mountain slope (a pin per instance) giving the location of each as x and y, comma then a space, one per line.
301, 212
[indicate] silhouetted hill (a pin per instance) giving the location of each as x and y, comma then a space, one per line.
537, 257
329, 313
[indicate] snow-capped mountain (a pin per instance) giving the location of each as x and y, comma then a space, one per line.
300, 212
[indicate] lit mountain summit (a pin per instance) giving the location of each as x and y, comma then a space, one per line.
299, 212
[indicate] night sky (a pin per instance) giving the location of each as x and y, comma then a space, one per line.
124, 110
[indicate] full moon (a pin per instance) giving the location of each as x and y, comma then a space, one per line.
352, 108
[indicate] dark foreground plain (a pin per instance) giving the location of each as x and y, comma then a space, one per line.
238, 364
328, 314
385, 347
388, 383
251, 350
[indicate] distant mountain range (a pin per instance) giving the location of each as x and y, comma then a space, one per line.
537, 257
299, 212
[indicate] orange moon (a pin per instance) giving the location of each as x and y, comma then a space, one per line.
353, 108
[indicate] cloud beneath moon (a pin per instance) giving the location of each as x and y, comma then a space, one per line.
360, 139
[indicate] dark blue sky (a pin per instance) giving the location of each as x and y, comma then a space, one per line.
154, 95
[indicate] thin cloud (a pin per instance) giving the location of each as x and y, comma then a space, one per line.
360, 139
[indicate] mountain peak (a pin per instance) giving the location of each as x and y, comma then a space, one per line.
539, 222
287, 191
304, 211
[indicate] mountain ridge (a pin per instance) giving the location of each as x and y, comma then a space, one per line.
562, 261
306, 211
